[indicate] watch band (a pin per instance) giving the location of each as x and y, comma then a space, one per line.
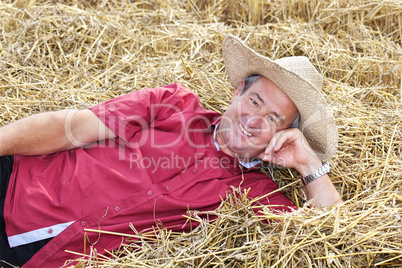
324, 169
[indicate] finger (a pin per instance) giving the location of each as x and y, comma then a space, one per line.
275, 144
280, 139
270, 147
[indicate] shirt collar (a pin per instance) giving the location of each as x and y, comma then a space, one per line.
248, 165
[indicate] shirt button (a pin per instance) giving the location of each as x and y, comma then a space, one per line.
117, 208
50, 230
195, 170
83, 223
167, 188
150, 192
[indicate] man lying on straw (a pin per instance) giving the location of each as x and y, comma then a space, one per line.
147, 157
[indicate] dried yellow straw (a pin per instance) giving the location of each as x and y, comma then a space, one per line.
73, 54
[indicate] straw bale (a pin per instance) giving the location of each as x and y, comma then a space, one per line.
74, 53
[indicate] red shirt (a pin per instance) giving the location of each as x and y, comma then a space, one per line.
162, 163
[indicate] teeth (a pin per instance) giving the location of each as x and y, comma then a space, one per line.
244, 130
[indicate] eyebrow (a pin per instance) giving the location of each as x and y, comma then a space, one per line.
275, 113
258, 97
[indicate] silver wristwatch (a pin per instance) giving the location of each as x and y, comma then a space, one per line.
325, 169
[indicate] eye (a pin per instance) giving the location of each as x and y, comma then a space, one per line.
272, 119
253, 102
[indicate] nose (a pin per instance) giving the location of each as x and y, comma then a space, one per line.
255, 122
259, 125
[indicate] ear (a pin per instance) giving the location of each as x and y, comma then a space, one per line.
237, 91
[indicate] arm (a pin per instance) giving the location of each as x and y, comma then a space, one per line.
291, 147
51, 132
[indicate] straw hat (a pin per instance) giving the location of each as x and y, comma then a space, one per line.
298, 78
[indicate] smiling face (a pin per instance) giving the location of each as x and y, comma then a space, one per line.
253, 117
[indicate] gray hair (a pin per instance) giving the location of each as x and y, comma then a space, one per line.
248, 81
296, 122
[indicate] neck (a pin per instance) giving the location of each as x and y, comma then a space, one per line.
221, 145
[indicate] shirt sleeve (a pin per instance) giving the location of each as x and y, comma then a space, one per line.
127, 114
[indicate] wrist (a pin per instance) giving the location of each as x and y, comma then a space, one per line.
323, 170
310, 167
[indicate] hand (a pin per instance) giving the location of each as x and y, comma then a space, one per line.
289, 148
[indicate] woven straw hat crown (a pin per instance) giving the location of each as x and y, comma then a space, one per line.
299, 79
